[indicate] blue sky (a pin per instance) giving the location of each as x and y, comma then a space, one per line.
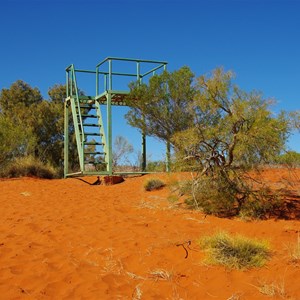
258, 40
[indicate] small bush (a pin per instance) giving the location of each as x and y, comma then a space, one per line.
153, 184
230, 193
29, 166
261, 204
156, 166
290, 159
213, 196
235, 252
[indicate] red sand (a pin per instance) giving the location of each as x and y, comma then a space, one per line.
65, 239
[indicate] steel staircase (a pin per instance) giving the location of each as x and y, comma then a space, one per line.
94, 142
88, 126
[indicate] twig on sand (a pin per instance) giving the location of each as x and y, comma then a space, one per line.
188, 243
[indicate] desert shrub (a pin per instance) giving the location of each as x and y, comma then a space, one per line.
231, 193
212, 196
289, 159
261, 204
29, 166
236, 252
180, 188
156, 166
153, 184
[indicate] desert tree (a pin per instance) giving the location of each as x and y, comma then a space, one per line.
218, 131
160, 108
231, 128
15, 141
32, 125
121, 150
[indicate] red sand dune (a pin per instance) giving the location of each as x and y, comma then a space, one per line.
65, 239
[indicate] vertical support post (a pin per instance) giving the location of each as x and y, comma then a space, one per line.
144, 145
66, 139
110, 75
67, 83
105, 82
109, 119
144, 152
71, 85
168, 149
97, 81
109, 133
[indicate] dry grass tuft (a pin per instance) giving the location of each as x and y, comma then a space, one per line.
294, 251
153, 184
161, 274
235, 252
137, 293
236, 296
134, 276
272, 289
29, 166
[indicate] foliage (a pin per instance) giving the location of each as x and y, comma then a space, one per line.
231, 128
19, 96
15, 140
261, 204
153, 184
231, 194
235, 252
160, 108
28, 166
289, 158
33, 126
217, 130
214, 196
295, 119
156, 166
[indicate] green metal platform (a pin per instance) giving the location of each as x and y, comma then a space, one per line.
93, 137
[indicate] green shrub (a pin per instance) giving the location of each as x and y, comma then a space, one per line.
261, 204
290, 159
228, 194
156, 166
235, 252
28, 166
153, 184
212, 195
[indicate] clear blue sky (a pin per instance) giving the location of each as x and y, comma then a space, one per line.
258, 40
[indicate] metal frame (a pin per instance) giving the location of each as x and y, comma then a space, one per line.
107, 96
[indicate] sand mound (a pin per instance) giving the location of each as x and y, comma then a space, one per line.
65, 239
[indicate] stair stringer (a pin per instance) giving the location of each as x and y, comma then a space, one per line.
102, 131
79, 134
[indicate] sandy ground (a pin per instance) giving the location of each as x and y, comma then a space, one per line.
65, 239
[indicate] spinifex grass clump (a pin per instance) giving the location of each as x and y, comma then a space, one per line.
153, 184
29, 166
236, 252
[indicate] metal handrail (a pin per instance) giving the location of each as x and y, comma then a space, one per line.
131, 59
73, 76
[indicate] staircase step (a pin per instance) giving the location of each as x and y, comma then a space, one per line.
92, 134
93, 143
102, 153
89, 116
86, 106
90, 125
95, 163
